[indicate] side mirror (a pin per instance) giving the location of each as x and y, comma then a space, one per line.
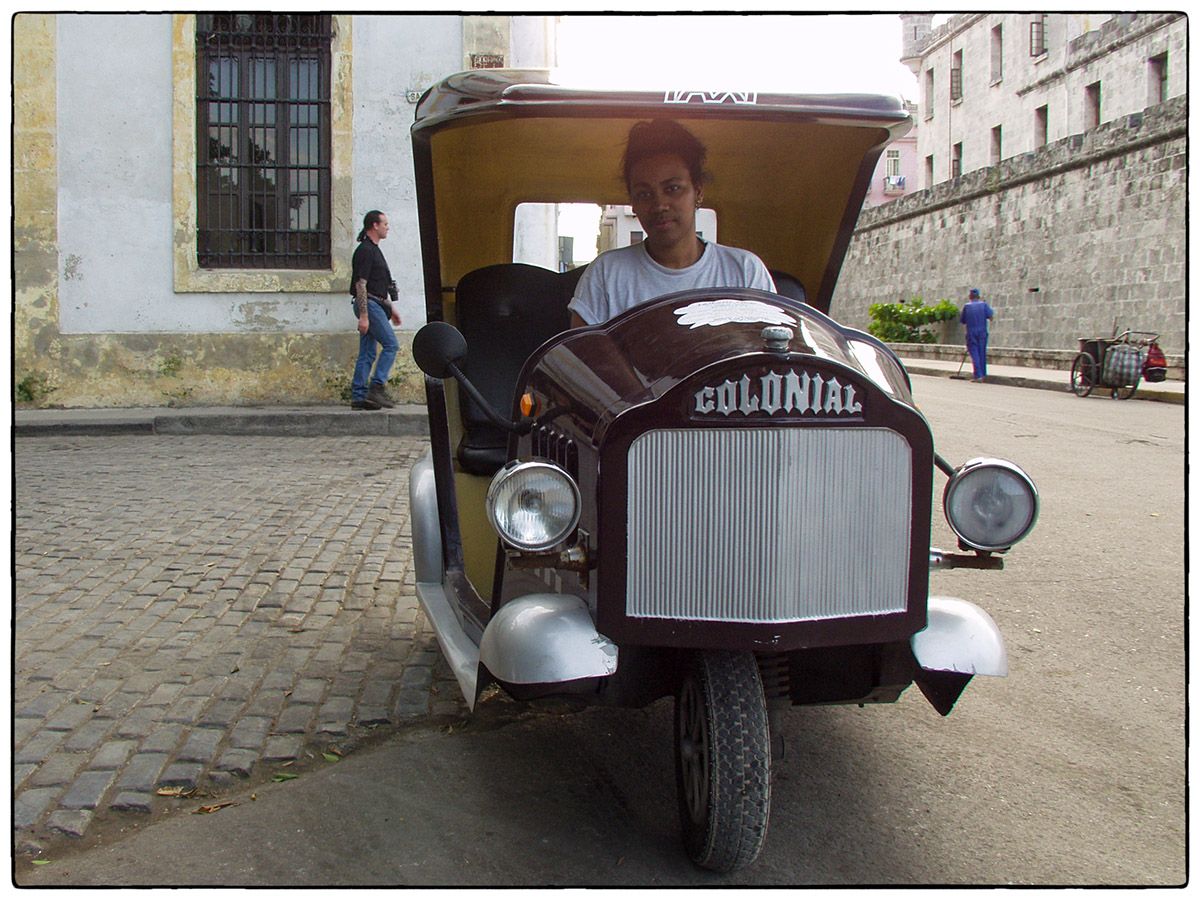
437, 350
437, 347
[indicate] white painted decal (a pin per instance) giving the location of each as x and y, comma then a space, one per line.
724, 312
775, 393
741, 98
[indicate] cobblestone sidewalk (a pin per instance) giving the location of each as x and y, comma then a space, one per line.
191, 611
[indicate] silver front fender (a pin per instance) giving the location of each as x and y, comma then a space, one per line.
544, 639
424, 522
960, 637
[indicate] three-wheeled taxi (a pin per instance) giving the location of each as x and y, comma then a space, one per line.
721, 495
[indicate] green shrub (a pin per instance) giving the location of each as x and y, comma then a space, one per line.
909, 321
33, 387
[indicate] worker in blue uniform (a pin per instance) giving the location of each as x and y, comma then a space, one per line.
975, 316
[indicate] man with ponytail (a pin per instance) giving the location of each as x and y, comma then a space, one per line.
370, 286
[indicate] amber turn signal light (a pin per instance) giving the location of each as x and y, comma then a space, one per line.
529, 404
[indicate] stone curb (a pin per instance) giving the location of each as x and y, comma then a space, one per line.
409, 420
404, 421
1145, 391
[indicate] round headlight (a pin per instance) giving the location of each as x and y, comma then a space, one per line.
533, 505
991, 504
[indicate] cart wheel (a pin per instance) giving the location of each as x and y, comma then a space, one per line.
1126, 391
1083, 374
722, 760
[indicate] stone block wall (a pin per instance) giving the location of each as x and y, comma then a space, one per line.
1063, 242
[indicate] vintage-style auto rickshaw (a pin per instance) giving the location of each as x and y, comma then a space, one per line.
721, 495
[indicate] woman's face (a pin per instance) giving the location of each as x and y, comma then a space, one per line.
664, 199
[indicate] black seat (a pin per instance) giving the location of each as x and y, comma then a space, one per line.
788, 286
505, 312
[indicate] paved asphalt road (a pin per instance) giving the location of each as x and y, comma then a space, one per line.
1068, 772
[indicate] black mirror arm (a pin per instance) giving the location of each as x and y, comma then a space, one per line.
521, 427
941, 463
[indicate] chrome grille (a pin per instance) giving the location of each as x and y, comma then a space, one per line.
551, 444
768, 524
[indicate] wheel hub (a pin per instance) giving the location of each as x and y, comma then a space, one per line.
693, 751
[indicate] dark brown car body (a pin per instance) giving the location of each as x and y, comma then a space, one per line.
754, 480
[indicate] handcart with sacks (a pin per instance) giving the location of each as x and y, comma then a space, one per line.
1118, 363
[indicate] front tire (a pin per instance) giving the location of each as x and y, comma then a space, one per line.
722, 760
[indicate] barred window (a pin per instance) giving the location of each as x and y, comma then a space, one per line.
263, 141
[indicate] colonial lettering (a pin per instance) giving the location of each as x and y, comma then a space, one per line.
817, 384
727, 398
749, 401
795, 392
772, 392
833, 396
792, 393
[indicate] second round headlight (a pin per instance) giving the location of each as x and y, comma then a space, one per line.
533, 505
991, 504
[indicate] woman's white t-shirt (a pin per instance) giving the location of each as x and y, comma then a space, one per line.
619, 279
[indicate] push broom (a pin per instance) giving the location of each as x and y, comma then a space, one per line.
959, 376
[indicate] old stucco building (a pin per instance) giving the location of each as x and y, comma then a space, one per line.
143, 278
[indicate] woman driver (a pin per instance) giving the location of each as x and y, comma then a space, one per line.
664, 173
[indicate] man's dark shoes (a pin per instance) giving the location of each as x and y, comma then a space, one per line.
365, 403
376, 394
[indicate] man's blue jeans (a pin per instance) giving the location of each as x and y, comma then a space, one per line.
380, 332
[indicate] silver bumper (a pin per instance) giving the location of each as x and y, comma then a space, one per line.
545, 639
960, 637
538, 639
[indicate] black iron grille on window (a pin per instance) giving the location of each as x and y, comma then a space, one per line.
263, 141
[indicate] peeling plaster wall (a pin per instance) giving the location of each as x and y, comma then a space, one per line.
35, 179
103, 315
116, 215
392, 57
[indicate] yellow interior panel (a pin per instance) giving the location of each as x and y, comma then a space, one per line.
778, 188
478, 537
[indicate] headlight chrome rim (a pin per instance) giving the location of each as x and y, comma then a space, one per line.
968, 472
524, 471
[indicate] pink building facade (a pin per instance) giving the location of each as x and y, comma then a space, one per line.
898, 169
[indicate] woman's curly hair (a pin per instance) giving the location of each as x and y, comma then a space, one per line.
660, 136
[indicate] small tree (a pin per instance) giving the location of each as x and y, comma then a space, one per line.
909, 321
